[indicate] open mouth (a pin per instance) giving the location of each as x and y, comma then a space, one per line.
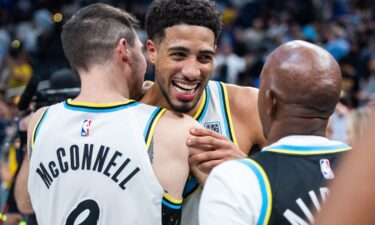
185, 91
185, 88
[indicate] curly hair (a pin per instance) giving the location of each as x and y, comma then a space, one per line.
167, 13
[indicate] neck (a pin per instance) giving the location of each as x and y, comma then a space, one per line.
101, 86
296, 126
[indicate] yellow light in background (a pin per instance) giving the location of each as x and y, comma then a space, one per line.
16, 44
57, 17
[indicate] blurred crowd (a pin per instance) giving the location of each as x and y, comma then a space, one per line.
30, 46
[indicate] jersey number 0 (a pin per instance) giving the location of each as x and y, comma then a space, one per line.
91, 219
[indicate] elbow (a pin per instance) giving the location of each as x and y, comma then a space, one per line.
23, 202
25, 207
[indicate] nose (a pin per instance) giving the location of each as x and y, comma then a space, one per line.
191, 69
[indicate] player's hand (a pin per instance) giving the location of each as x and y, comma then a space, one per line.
214, 149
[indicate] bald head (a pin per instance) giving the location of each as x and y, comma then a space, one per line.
304, 75
299, 89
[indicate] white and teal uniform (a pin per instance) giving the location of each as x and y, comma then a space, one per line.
90, 165
283, 184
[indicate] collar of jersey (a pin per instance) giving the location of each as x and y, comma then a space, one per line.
98, 107
313, 145
203, 105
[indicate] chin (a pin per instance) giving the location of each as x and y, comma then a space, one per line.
182, 108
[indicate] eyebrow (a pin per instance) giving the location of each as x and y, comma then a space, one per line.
172, 49
183, 49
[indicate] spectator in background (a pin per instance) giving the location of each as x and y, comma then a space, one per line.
367, 84
49, 55
336, 44
228, 65
20, 68
357, 121
338, 123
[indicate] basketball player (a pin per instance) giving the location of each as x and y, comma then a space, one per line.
300, 87
182, 41
103, 158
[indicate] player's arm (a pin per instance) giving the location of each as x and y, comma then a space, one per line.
21, 193
246, 121
21, 187
172, 153
170, 162
170, 157
230, 196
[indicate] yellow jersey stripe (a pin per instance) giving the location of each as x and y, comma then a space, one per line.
227, 109
294, 152
36, 128
152, 127
201, 106
171, 199
98, 105
265, 186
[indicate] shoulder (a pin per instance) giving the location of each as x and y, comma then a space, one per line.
179, 121
243, 103
231, 186
174, 127
233, 171
242, 97
35, 118
239, 180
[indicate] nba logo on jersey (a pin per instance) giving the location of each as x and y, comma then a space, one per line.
215, 126
85, 131
326, 169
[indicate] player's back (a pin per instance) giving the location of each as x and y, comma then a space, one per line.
90, 163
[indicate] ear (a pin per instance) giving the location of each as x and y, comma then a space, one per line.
123, 50
151, 51
271, 103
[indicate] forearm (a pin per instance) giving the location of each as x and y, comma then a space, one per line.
21, 191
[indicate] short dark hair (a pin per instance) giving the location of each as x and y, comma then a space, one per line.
167, 13
90, 36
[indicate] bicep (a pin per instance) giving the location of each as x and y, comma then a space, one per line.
170, 146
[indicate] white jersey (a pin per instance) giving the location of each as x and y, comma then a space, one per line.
283, 184
213, 113
90, 165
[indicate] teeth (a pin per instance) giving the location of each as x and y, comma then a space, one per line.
185, 87
184, 91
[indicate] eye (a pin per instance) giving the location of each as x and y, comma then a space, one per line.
206, 58
178, 55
